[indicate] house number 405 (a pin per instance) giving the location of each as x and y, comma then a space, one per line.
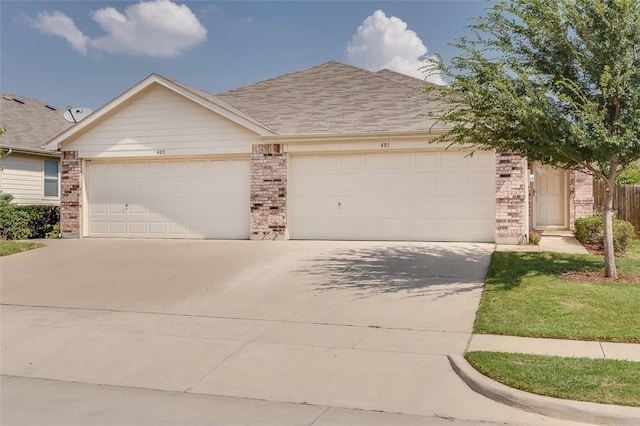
160, 152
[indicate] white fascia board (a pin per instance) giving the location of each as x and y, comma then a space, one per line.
345, 137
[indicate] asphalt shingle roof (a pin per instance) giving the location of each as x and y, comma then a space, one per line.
335, 98
29, 123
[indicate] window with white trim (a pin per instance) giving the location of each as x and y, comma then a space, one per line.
51, 178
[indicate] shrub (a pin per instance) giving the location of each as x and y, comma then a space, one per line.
42, 219
54, 233
534, 238
630, 175
22, 222
590, 231
14, 223
5, 198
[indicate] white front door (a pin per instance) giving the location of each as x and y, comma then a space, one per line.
550, 197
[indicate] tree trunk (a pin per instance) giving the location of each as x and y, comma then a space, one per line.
607, 216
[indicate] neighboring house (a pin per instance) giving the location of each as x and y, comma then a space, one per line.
330, 152
30, 172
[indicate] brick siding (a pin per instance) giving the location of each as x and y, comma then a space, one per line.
268, 192
510, 198
71, 195
581, 196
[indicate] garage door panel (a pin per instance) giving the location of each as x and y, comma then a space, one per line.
98, 227
169, 198
177, 229
347, 163
157, 228
357, 184
452, 160
117, 228
136, 208
439, 196
139, 228
373, 162
426, 161
115, 208
308, 207
481, 183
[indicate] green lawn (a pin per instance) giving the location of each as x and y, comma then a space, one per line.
525, 295
11, 247
581, 379
634, 251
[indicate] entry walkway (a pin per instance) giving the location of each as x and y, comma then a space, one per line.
556, 241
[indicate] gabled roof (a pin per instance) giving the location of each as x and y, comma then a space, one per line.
333, 99
325, 100
29, 123
205, 99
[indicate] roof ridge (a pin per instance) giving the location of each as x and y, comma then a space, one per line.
400, 75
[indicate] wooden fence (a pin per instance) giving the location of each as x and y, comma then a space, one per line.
626, 201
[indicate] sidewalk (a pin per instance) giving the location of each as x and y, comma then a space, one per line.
560, 242
556, 347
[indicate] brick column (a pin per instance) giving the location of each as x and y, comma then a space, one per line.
510, 198
268, 192
71, 195
580, 196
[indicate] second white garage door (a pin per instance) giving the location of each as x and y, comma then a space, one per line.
425, 196
169, 199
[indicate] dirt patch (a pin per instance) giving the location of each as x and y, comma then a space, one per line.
598, 276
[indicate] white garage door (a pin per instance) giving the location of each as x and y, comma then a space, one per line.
169, 199
426, 196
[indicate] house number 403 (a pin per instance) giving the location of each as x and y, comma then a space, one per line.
160, 152
384, 145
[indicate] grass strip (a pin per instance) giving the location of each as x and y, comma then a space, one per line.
581, 379
12, 247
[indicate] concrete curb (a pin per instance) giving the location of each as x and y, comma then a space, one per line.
588, 412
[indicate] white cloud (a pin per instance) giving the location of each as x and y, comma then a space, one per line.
152, 28
386, 42
57, 23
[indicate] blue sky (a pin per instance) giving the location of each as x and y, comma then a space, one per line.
85, 53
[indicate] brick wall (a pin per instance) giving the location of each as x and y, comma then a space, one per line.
510, 198
268, 192
71, 195
581, 196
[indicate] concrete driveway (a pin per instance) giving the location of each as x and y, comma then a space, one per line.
335, 324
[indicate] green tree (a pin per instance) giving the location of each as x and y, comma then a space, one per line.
557, 81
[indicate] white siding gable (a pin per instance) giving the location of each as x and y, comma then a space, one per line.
163, 123
23, 177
